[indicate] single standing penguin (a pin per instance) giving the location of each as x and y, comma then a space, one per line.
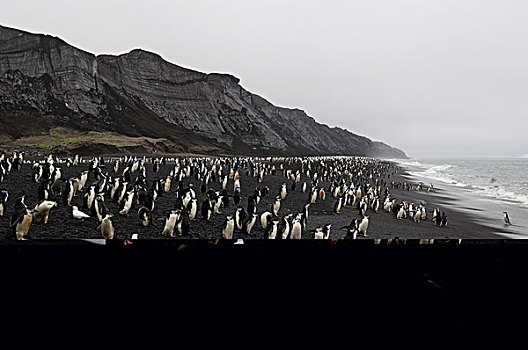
107, 229
265, 219
304, 216
252, 205
283, 191
240, 217
443, 219
127, 204
170, 223
275, 207
225, 198
89, 197
507, 221
250, 223
363, 225
184, 223
257, 195
285, 227
67, 193
167, 183
217, 205
418, 215
187, 199
228, 227
326, 231
236, 197
338, 205
424, 214
363, 207
271, 232
43, 190
401, 213
322, 193
207, 209
82, 181
21, 219
4, 195
313, 196
99, 208
296, 229
194, 209
376, 205
436, 216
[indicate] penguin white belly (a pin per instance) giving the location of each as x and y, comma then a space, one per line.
338, 207
276, 208
194, 209
250, 226
22, 228
286, 231
186, 201
128, 205
273, 233
169, 225
296, 231
363, 227
107, 229
179, 227
227, 232
217, 207
264, 220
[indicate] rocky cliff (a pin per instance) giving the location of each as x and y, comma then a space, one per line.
47, 83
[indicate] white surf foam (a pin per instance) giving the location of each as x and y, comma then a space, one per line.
440, 173
503, 194
411, 163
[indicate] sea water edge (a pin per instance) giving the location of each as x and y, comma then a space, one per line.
481, 187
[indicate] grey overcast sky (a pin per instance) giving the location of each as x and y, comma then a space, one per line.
432, 77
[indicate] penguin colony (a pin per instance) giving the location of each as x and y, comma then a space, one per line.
101, 195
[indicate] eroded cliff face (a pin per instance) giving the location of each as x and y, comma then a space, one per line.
47, 81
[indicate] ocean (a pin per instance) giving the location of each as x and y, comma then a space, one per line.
483, 187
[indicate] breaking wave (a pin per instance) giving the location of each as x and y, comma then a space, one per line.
447, 174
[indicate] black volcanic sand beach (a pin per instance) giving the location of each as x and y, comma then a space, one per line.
382, 225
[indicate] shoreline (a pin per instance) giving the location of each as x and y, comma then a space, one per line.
461, 224
480, 207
